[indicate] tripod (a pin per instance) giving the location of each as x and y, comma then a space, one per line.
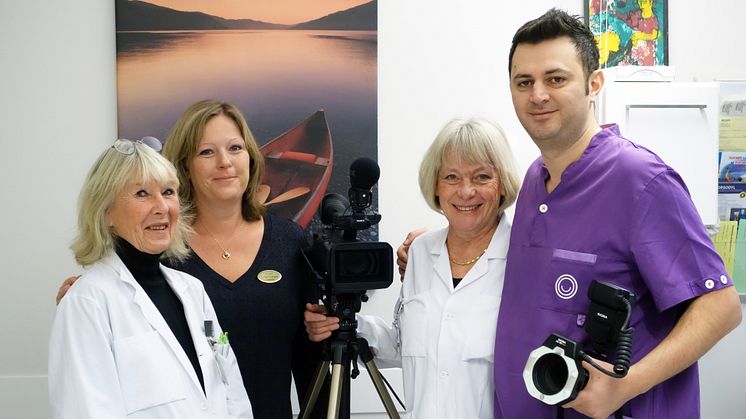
342, 351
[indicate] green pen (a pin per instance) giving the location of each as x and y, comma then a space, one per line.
223, 338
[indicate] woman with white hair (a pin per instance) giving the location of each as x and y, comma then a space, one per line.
134, 338
443, 332
249, 262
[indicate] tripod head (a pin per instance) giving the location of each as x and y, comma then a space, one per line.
344, 306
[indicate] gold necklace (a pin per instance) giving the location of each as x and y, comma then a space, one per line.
226, 254
468, 262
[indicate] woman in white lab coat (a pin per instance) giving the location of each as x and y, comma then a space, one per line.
443, 333
132, 338
234, 245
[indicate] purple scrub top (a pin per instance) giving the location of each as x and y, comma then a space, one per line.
619, 215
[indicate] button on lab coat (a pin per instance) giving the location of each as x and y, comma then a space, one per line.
443, 338
112, 355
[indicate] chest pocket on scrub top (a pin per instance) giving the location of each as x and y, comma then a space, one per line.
565, 282
412, 319
149, 373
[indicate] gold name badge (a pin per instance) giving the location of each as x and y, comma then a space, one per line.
269, 276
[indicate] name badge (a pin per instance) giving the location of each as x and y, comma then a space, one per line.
269, 276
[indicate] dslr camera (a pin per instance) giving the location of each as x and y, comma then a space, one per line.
345, 268
554, 372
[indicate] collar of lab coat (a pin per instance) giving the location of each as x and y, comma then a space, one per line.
497, 249
156, 320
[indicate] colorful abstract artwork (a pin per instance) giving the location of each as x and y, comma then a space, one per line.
629, 32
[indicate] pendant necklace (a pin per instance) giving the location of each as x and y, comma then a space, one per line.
226, 254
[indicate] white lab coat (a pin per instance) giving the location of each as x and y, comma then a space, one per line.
442, 337
112, 355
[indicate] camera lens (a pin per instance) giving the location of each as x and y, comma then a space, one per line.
356, 267
357, 263
550, 374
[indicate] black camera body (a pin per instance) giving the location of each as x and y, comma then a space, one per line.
554, 372
345, 268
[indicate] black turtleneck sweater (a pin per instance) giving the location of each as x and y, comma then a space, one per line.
146, 271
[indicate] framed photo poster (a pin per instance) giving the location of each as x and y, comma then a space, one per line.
303, 74
629, 32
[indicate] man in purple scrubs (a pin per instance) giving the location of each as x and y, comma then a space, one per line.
598, 206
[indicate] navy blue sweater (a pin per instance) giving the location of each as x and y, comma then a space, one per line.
265, 321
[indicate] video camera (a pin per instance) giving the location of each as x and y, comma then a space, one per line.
344, 267
554, 372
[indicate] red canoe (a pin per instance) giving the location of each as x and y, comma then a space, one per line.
298, 168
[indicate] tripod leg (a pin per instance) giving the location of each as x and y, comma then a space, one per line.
340, 373
335, 391
318, 381
367, 356
383, 394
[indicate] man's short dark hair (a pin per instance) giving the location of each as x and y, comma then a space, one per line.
555, 24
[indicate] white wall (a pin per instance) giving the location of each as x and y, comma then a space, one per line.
437, 60
57, 112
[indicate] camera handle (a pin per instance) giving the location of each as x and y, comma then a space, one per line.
341, 353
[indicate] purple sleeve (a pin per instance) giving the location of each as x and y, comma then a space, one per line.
673, 252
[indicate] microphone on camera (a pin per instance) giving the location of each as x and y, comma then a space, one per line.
364, 173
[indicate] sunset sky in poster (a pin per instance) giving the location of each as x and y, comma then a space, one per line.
272, 11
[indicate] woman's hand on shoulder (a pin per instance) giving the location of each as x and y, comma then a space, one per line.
319, 326
66, 284
401, 252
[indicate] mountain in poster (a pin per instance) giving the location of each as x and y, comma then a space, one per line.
143, 16
358, 18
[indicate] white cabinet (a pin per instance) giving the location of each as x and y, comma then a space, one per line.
678, 122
